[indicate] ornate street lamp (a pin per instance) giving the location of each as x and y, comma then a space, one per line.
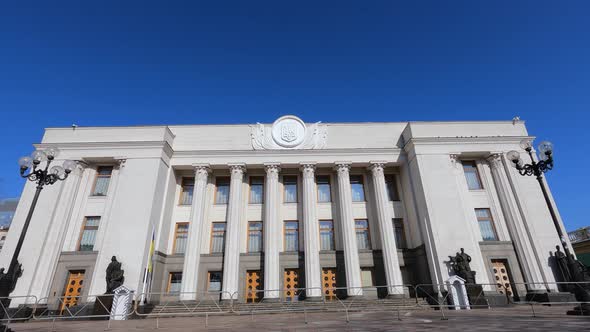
572, 270
537, 169
39, 172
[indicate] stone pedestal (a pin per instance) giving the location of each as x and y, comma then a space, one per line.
103, 305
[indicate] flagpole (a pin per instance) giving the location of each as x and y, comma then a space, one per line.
147, 268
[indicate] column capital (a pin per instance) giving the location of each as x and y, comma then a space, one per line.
201, 171
495, 160
272, 167
308, 169
377, 167
237, 169
342, 167
272, 170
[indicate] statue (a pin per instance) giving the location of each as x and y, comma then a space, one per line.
578, 277
114, 275
7, 281
460, 265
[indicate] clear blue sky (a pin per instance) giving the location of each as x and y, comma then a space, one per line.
176, 62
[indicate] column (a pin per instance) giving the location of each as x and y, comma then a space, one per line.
523, 242
393, 273
272, 228
313, 274
351, 254
231, 262
192, 255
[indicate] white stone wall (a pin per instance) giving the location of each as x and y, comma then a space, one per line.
437, 208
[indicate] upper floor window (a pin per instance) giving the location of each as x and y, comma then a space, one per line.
326, 235
486, 225
290, 189
88, 235
256, 189
472, 175
363, 239
324, 191
358, 189
254, 236
180, 237
291, 240
391, 184
103, 178
400, 235
217, 237
221, 190
186, 194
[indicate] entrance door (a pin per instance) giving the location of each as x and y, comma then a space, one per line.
291, 283
502, 277
73, 290
253, 286
329, 283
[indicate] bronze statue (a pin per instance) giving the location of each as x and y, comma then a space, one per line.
114, 275
577, 277
460, 265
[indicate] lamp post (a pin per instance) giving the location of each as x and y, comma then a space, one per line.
39, 172
537, 169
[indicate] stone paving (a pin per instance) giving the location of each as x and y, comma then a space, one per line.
504, 319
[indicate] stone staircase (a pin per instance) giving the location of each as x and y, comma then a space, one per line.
353, 305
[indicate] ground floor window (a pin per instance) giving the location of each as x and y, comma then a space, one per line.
174, 282
367, 277
214, 284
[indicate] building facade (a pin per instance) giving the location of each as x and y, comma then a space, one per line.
273, 207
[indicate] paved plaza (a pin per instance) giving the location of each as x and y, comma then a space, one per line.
504, 319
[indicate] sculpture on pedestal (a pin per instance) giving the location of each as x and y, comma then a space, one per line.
460, 265
114, 275
578, 277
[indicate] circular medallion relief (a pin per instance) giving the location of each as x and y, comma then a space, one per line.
288, 131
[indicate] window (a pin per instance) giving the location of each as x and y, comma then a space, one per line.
400, 235
186, 194
103, 178
472, 175
486, 224
324, 193
326, 235
291, 236
217, 237
256, 190
367, 277
3, 238
215, 278
290, 189
222, 190
254, 236
362, 234
358, 190
88, 236
174, 282
180, 237
391, 184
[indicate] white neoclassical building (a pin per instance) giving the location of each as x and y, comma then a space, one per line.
285, 205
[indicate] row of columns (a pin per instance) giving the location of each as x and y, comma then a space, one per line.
272, 227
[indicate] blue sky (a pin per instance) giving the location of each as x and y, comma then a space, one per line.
183, 62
